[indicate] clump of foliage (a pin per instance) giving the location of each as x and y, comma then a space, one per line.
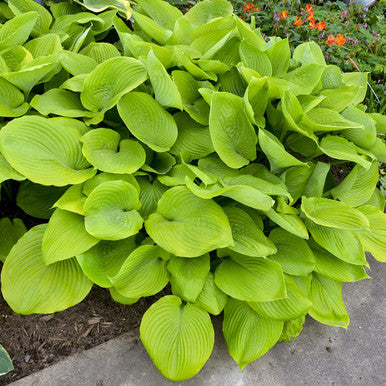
350, 36
157, 148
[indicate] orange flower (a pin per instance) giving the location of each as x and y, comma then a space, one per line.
340, 40
298, 22
309, 8
321, 25
311, 24
311, 18
331, 40
256, 9
283, 15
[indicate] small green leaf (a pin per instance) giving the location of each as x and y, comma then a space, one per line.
148, 121
104, 150
5, 361
111, 211
239, 322
188, 276
143, 273
211, 298
105, 259
65, 237
10, 232
252, 279
293, 253
327, 303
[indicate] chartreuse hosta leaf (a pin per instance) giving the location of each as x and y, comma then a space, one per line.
120, 298
143, 273
248, 238
10, 232
309, 52
65, 237
111, 211
293, 253
105, 259
187, 276
211, 298
188, 226
330, 266
252, 279
53, 150
292, 223
327, 303
275, 152
5, 361
192, 137
72, 200
374, 239
335, 214
291, 307
148, 121
109, 81
122, 6
11, 100
37, 200
178, 337
165, 90
343, 244
7, 172
233, 135
358, 186
17, 30
20, 7
104, 150
60, 102
239, 321
40, 288
292, 329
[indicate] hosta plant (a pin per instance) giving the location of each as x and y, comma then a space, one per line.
158, 147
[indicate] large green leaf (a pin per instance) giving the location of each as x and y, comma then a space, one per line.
105, 259
211, 298
233, 135
292, 223
5, 361
37, 287
111, 211
358, 186
162, 12
148, 121
293, 253
143, 273
327, 303
343, 244
188, 226
72, 200
205, 11
252, 279
11, 100
109, 81
10, 232
248, 335
123, 6
188, 276
192, 137
291, 307
65, 237
255, 59
17, 30
330, 266
248, 238
37, 200
279, 54
374, 239
335, 214
275, 152
165, 90
53, 150
21, 7
179, 338
60, 102
104, 150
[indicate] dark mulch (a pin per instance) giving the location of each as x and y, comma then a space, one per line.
38, 341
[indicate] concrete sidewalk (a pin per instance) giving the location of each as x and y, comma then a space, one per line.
322, 355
